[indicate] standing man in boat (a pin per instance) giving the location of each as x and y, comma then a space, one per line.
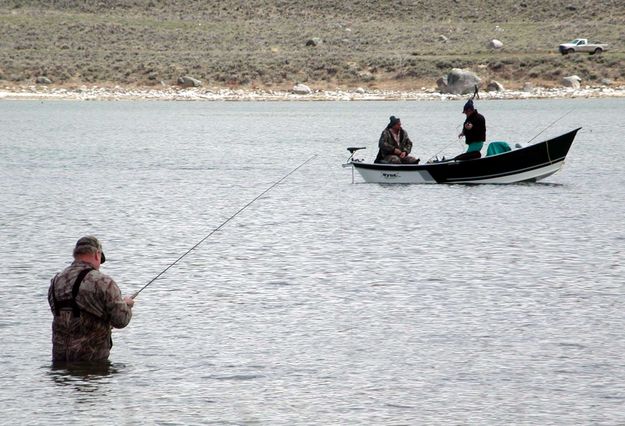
474, 132
86, 304
395, 145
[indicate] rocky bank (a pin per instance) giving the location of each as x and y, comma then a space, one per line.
176, 93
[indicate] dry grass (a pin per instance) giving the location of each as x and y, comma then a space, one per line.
258, 43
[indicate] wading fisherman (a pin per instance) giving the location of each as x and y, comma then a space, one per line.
474, 132
86, 304
395, 145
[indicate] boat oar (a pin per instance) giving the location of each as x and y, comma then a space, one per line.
220, 226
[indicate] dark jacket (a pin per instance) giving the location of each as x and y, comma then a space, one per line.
387, 144
478, 132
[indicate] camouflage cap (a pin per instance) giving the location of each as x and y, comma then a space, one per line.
86, 244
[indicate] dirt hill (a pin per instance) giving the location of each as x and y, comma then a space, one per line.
260, 43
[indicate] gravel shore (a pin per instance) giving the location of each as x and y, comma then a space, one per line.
97, 93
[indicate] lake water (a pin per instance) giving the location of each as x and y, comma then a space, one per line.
323, 302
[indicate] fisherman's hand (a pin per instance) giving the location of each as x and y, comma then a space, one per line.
460, 135
468, 126
403, 154
129, 301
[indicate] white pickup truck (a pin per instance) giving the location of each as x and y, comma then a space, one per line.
582, 45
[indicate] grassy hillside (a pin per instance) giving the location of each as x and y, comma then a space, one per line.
262, 43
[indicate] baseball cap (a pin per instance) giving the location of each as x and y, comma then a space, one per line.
89, 241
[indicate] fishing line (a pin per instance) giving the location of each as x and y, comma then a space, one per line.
221, 226
550, 125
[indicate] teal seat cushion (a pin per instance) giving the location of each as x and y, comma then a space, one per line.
497, 147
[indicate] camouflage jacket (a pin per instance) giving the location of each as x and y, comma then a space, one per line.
387, 143
87, 337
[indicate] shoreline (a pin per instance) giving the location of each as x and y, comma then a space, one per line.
173, 93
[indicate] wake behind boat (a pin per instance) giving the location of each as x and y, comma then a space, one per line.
528, 164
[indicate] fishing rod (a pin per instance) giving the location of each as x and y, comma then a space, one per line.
221, 226
550, 125
445, 147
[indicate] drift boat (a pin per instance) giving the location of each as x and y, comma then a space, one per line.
527, 164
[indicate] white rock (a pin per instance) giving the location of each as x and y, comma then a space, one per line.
495, 44
571, 81
301, 89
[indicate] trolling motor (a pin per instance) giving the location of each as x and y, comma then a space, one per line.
351, 159
353, 149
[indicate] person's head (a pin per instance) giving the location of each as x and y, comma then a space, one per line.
394, 123
468, 107
89, 249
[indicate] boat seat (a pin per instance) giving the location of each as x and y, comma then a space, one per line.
468, 156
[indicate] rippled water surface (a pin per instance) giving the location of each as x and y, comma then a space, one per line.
322, 302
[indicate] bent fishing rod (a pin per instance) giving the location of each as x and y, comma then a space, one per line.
221, 226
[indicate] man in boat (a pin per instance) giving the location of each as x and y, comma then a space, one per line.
395, 145
86, 304
474, 132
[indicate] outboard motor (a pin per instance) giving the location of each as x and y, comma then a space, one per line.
351, 159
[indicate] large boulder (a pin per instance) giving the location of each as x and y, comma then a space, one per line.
494, 86
43, 80
441, 84
458, 82
315, 41
571, 81
365, 76
187, 81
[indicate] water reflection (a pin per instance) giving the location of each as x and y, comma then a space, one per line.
83, 377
